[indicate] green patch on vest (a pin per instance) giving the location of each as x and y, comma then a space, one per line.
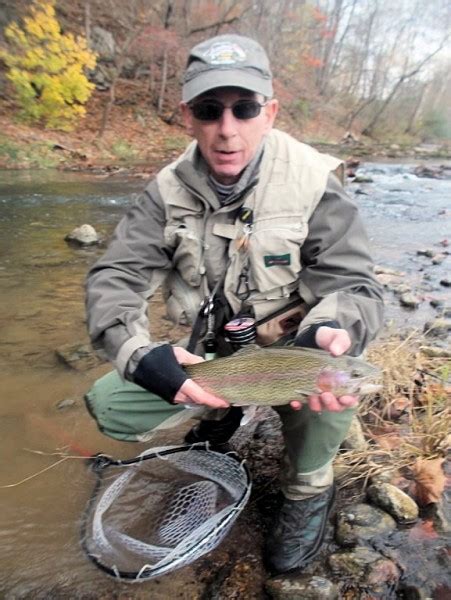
273, 260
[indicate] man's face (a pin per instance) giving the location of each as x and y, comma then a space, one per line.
228, 144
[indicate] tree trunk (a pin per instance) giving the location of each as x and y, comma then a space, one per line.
417, 110
164, 78
88, 22
369, 129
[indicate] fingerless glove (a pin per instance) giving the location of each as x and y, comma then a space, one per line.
307, 337
159, 372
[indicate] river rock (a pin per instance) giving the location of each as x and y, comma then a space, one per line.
438, 328
437, 259
427, 171
362, 179
370, 569
435, 352
436, 303
362, 522
409, 300
401, 289
66, 403
429, 252
396, 502
78, 356
355, 439
85, 235
379, 269
301, 588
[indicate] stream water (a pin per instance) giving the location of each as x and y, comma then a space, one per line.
41, 279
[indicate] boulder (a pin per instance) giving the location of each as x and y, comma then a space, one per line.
393, 500
355, 439
438, 327
429, 172
409, 300
102, 42
85, 235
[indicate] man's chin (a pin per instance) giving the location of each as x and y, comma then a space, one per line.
227, 176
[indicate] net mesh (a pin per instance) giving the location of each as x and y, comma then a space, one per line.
163, 511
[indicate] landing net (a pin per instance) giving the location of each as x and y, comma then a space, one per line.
162, 510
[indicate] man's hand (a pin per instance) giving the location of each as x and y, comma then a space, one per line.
190, 392
336, 342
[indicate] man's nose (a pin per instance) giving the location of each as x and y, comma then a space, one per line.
227, 123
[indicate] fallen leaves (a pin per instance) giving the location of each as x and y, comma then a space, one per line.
429, 479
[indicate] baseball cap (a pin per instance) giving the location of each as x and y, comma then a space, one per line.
227, 61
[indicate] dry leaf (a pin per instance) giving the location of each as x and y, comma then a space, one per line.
429, 480
397, 406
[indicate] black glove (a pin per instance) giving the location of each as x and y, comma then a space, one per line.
159, 372
307, 337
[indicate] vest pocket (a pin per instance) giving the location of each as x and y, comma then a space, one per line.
275, 255
182, 301
188, 253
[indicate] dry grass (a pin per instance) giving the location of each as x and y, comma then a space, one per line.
409, 419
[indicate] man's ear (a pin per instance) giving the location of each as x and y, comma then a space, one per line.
271, 110
187, 117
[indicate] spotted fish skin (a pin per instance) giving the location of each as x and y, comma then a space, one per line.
276, 376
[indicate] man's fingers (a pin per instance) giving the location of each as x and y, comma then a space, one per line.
335, 341
296, 405
184, 357
328, 402
192, 393
314, 403
348, 401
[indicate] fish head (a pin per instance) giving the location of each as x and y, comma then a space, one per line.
342, 382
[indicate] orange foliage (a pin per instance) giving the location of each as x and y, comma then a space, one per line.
429, 480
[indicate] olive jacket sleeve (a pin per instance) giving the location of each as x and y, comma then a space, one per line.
120, 283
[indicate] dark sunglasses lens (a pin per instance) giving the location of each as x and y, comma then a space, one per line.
248, 109
207, 111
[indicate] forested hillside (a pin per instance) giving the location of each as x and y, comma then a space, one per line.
378, 71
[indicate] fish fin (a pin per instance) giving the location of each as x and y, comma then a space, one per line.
303, 393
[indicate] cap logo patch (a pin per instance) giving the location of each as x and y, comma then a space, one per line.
225, 53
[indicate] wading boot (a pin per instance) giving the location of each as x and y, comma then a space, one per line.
217, 433
298, 532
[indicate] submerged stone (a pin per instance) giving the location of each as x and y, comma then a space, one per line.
301, 588
78, 356
362, 522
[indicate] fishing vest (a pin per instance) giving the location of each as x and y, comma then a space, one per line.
292, 179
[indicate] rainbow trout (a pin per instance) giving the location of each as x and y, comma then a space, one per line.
278, 375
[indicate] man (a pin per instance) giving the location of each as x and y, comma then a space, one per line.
260, 225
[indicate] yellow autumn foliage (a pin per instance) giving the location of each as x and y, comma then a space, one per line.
47, 68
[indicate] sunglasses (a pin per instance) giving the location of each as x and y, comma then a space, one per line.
212, 110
